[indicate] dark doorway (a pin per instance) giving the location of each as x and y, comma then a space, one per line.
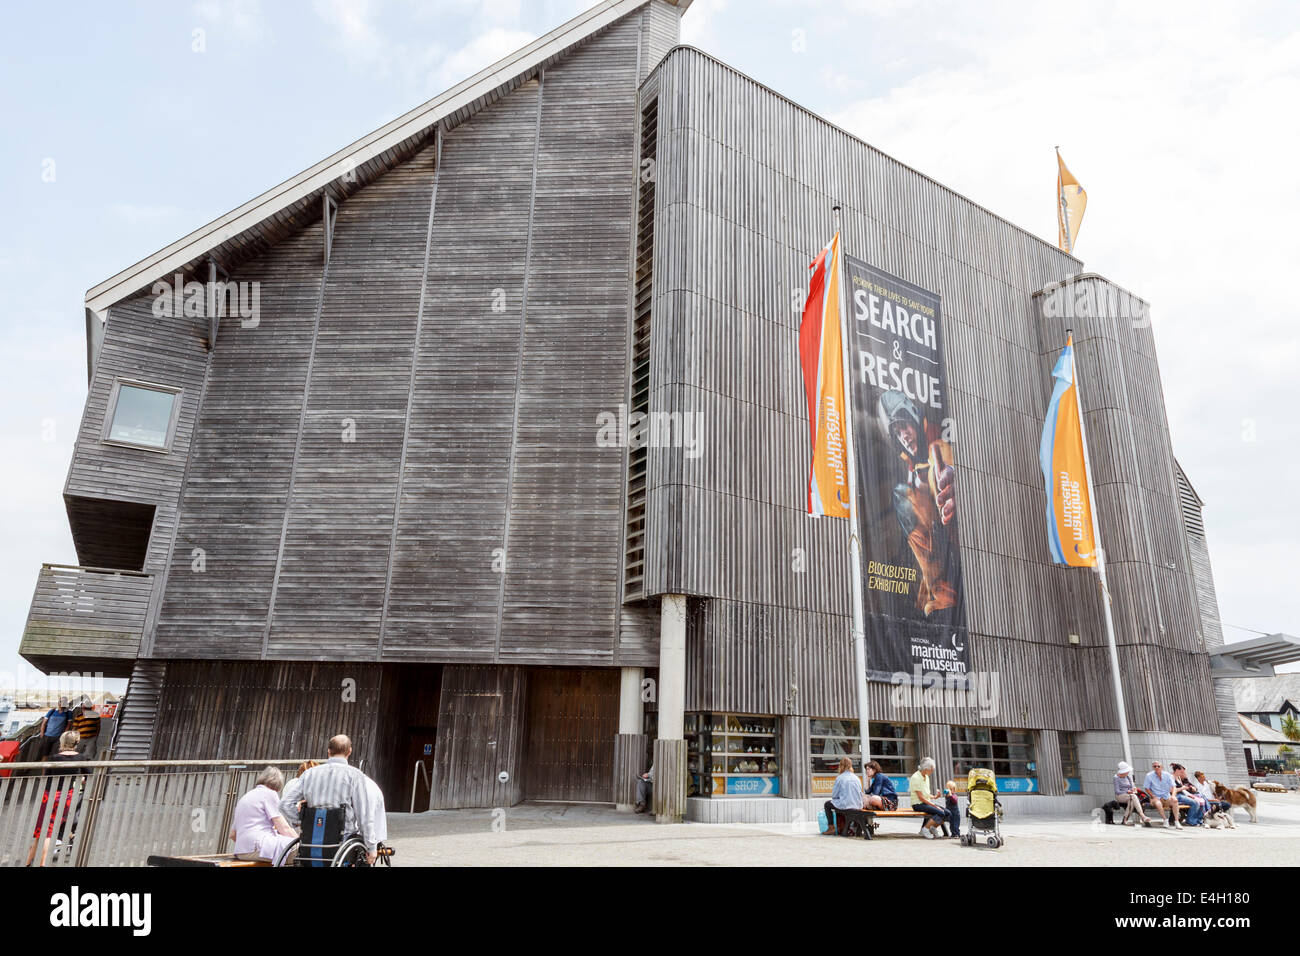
411, 694
569, 734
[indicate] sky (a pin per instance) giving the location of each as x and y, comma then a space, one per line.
128, 125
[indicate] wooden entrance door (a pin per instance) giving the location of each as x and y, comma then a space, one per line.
570, 730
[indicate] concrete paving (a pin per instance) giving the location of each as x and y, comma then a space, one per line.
542, 834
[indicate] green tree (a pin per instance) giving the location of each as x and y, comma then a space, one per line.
1291, 727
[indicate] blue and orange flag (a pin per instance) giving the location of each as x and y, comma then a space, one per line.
822, 360
1064, 462
1071, 201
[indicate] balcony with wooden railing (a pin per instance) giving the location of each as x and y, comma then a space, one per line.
86, 619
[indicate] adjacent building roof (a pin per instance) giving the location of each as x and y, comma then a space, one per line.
1261, 733
282, 210
1266, 695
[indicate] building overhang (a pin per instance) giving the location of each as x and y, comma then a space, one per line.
1256, 657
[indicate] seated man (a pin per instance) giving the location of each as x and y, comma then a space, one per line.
1160, 786
258, 829
337, 784
645, 785
846, 795
923, 801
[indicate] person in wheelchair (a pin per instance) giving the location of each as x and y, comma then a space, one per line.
340, 811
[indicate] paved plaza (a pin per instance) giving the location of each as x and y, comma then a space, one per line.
540, 834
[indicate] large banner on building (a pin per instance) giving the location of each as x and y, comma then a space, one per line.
908, 496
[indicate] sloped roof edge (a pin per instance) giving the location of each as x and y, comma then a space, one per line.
175, 256
1262, 733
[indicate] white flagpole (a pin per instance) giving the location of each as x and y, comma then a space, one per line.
855, 538
1101, 563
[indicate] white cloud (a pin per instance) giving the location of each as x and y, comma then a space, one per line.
1182, 130
484, 50
135, 213
243, 17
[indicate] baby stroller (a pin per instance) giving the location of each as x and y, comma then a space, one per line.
983, 809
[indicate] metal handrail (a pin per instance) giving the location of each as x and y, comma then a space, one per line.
94, 570
415, 776
80, 765
119, 812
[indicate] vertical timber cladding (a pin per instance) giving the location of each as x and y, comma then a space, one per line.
562, 584
639, 386
237, 488
479, 716
569, 734
269, 709
329, 590
746, 181
509, 529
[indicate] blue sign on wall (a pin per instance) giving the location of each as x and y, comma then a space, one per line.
428, 749
754, 786
1005, 785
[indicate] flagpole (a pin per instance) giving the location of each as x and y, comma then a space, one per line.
1101, 562
855, 537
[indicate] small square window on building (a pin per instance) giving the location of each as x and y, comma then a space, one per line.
141, 414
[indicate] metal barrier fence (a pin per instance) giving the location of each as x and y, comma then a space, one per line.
119, 812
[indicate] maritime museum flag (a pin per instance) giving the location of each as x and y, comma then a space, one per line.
821, 357
1071, 201
1065, 470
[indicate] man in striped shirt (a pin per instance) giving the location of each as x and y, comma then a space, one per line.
336, 783
85, 721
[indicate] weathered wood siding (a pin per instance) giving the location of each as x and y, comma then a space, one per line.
237, 489
219, 709
479, 737
746, 181
1211, 624
138, 346
399, 462
569, 734
89, 615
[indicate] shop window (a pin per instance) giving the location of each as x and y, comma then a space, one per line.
732, 755
1070, 761
893, 746
1008, 753
141, 415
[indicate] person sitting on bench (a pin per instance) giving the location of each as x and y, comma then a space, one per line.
846, 795
880, 789
923, 801
258, 829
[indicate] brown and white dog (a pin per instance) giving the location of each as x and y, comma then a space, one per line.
1239, 797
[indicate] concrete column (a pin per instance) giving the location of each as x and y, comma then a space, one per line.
935, 740
796, 758
670, 747
1047, 755
631, 711
631, 742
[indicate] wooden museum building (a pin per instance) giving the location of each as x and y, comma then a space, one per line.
485, 441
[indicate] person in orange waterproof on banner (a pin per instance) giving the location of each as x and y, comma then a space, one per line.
925, 502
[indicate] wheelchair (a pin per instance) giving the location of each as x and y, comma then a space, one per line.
324, 844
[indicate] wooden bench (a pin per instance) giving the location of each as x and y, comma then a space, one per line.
865, 823
204, 859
